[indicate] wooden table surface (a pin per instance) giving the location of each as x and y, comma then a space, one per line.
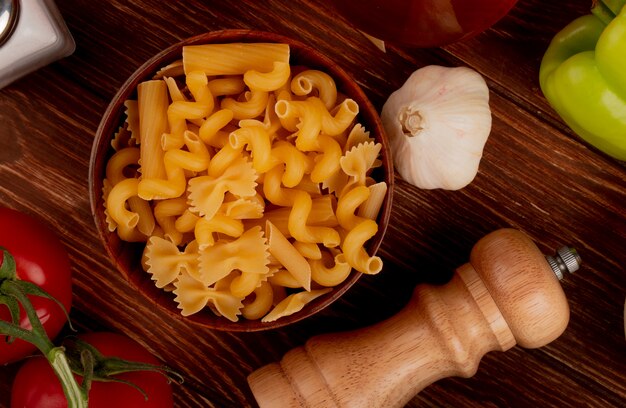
535, 175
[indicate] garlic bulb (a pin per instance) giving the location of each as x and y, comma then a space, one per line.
438, 123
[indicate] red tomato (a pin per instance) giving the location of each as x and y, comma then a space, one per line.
40, 258
423, 23
36, 385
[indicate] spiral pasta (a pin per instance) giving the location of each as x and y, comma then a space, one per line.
310, 80
196, 158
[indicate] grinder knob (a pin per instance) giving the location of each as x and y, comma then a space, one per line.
507, 294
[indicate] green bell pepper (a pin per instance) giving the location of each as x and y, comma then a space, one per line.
583, 76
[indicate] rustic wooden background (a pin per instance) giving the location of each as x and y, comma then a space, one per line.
536, 175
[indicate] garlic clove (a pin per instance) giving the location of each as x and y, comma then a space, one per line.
438, 123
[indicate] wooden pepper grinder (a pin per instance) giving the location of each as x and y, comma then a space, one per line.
508, 294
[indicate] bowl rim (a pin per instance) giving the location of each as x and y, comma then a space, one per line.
112, 119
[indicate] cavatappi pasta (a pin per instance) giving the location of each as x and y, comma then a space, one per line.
248, 179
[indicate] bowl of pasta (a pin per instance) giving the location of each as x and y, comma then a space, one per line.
241, 181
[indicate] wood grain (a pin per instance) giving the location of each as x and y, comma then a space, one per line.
535, 175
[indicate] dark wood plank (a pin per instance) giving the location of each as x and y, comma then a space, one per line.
536, 175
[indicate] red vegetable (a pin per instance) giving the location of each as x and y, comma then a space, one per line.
423, 23
42, 259
35, 289
36, 385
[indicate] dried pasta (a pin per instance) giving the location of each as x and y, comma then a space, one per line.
284, 279
357, 135
165, 262
115, 168
357, 162
271, 123
248, 253
301, 231
296, 162
328, 164
166, 213
235, 58
193, 296
371, 207
288, 256
196, 158
210, 129
261, 303
230, 85
354, 250
116, 203
206, 193
257, 140
293, 303
311, 80
180, 111
330, 276
268, 81
205, 228
252, 105
152, 105
132, 123
322, 215
348, 205
251, 188
308, 250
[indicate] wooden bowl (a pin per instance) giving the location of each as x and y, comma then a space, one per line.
127, 256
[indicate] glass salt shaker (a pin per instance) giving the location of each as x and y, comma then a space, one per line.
32, 35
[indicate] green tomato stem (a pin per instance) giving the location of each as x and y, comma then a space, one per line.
14, 290
75, 395
87, 362
7, 267
15, 331
83, 360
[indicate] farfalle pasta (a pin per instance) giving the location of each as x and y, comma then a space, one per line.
248, 179
248, 253
207, 194
165, 262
